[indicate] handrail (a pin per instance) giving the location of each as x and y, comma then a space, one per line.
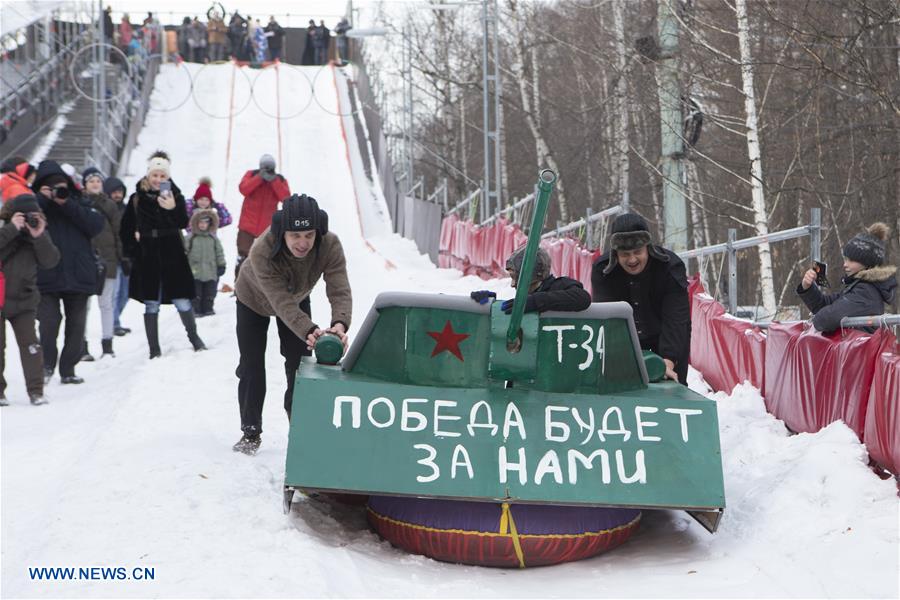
465, 202
583, 221
511, 208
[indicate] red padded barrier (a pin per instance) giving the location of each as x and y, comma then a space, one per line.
726, 351
813, 380
882, 433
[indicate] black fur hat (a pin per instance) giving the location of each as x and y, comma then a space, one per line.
298, 213
629, 231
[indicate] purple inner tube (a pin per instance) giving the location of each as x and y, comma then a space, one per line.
534, 519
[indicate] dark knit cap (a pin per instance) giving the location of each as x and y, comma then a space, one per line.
298, 213
24, 203
112, 184
868, 248
89, 172
541, 265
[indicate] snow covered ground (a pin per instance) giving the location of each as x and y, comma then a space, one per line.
134, 468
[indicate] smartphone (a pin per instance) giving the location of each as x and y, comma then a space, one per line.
165, 187
821, 270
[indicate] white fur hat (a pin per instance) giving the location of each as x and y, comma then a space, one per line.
158, 163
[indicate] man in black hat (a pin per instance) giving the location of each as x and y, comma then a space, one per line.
653, 281
283, 266
869, 284
71, 223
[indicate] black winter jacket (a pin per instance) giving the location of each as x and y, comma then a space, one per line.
864, 294
21, 255
558, 293
658, 296
71, 226
158, 258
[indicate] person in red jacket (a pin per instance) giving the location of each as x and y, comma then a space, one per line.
16, 176
263, 189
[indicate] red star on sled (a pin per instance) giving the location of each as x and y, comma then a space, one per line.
447, 340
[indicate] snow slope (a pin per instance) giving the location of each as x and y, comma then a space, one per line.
134, 467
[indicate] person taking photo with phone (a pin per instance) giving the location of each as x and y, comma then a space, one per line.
71, 223
151, 239
25, 246
869, 284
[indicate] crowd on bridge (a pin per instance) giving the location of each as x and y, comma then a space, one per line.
64, 238
241, 37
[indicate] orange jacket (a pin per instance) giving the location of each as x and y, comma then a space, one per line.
12, 184
261, 200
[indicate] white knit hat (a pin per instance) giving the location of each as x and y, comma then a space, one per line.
158, 163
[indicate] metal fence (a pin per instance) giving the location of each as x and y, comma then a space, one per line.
730, 248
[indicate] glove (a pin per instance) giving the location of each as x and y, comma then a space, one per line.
126, 266
220, 270
267, 175
530, 305
483, 296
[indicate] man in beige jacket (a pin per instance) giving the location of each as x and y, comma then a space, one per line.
284, 265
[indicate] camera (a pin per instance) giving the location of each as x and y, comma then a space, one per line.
32, 220
61, 192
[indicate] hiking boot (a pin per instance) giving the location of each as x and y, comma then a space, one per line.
107, 348
3, 400
85, 354
151, 327
248, 444
37, 399
48, 375
71, 379
190, 326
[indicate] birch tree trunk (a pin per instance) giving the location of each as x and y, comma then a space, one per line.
621, 108
542, 148
760, 213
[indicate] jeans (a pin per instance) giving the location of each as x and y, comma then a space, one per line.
107, 303
151, 307
121, 297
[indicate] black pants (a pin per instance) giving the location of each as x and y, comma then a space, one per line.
252, 332
204, 296
29, 350
48, 313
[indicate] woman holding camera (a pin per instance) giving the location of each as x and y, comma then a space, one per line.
24, 247
151, 238
71, 223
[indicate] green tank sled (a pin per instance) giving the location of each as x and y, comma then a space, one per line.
441, 397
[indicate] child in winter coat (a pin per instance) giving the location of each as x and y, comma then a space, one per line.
203, 198
869, 284
206, 257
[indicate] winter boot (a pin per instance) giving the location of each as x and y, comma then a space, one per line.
3, 400
48, 375
151, 326
107, 348
85, 354
120, 331
248, 444
190, 326
37, 399
70, 379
